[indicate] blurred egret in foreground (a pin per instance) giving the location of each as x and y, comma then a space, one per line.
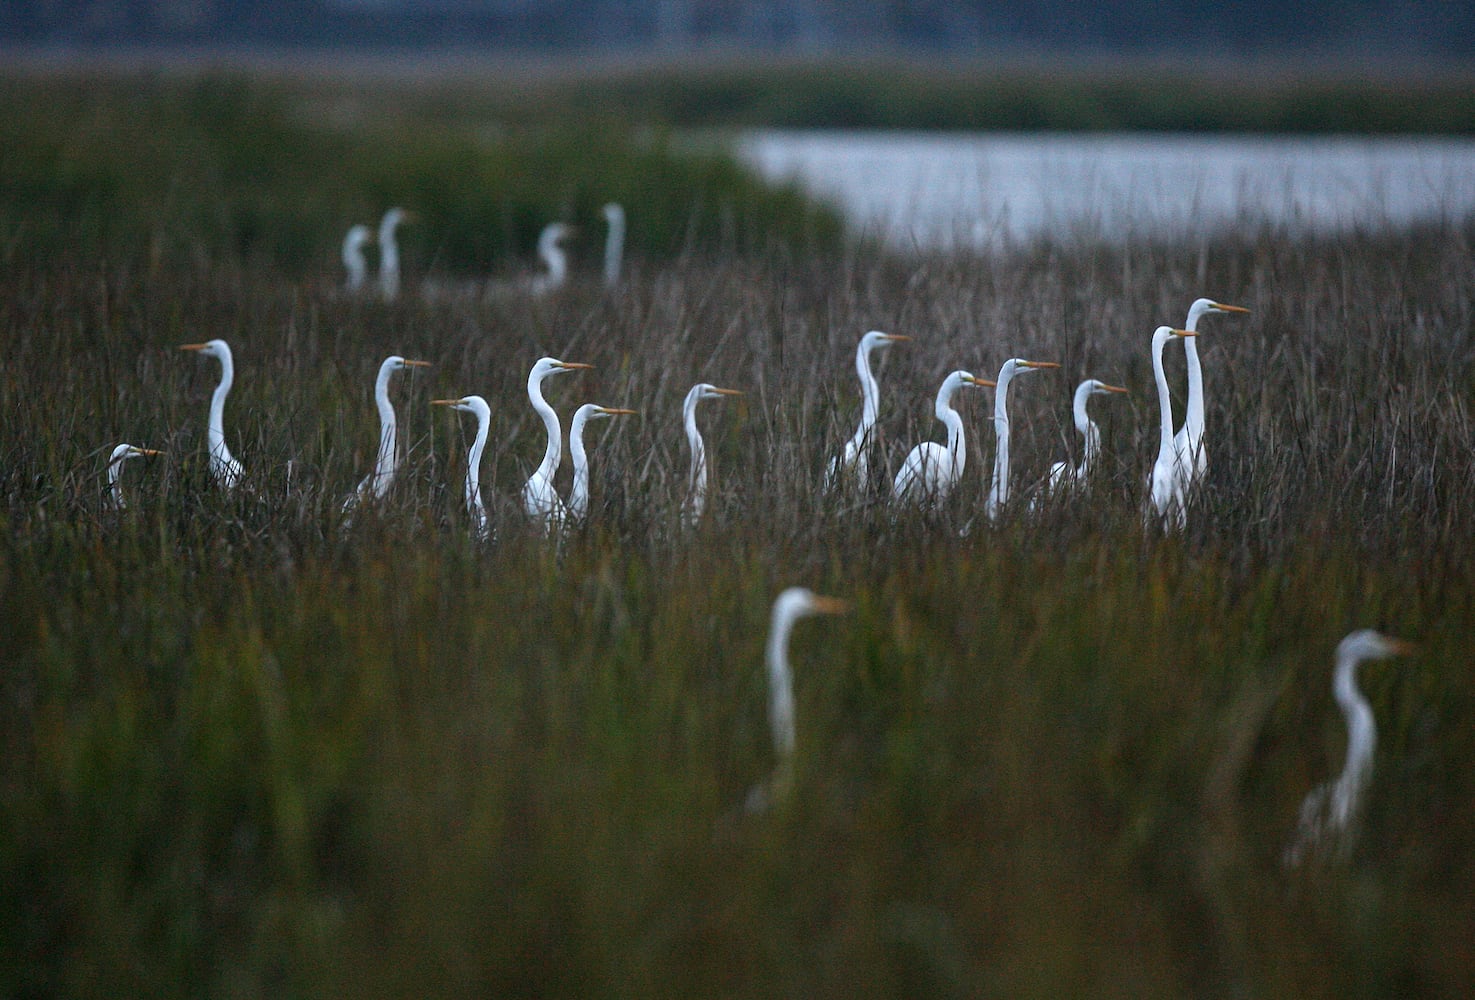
578, 497
475, 509
223, 465
540, 500
998, 494
1329, 814
696, 483
377, 483
931, 470
852, 462
121, 454
790, 606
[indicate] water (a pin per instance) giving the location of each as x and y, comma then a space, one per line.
935, 190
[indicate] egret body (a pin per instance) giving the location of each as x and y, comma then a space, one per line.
354, 265
790, 606
1329, 813
1189, 441
120, 455
1062, 476
223, 465
1166, 485
931, 470
389, 251
551, 252
578, 497
696, 482
998, 494
475, 509
852, 462
614, 243
540, 500
377, 483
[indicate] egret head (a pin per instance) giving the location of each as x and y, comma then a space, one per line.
213, 348
705, 390
1367, 644
359, 236
393, 218
876, 339
552, 366
396, 363
613, 213
798, 602
466, 404
1099, 388
126, 451
592, 411
1018, 366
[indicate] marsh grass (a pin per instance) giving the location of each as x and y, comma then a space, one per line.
244, 751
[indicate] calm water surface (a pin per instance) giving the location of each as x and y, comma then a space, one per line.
945, 189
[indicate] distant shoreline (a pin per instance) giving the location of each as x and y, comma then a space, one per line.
728, 88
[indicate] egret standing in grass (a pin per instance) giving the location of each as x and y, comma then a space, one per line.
475, 509
223, 465
696, 483
931, 470
793, 604
852, 463
1062, 476
376, 484
122, 454
614, 243
357, 268
578, 497
1330, 812
1169, 500
1189, 441
540, 500
389, 251
998, 494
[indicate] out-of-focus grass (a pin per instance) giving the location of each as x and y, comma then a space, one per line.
225, 168
243, 751
743, 91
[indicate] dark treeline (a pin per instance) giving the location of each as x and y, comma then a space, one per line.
1431, 29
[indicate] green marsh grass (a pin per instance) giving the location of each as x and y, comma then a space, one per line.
244, 751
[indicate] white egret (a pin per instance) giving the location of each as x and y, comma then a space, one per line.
223, 465
121, 454
696, 490
852, 462
1189, 441
389, 251
1168, 497
539, 499
377, 483
998, 493
790, 606
578, 497
1329, 813
1062, 475
358, 237
614, 243
551, 252
931, 470
475, 509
